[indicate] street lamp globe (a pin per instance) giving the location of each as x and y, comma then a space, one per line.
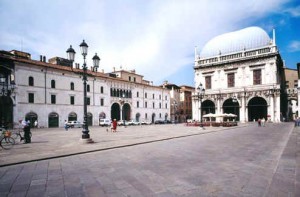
71, 54
96, 61
84, 48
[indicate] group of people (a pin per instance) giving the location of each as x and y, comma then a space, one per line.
261, 122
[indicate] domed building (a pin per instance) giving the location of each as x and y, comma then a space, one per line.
242, 74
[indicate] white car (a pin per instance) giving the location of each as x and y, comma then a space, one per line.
74, 124
133, 122
105, 122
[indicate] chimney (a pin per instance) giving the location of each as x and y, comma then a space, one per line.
41, 58
114, 68
44, 58
102, 70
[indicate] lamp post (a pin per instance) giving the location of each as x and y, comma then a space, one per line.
71, 56
174, 104
200, 95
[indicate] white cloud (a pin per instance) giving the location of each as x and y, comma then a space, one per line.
295, 12
154, 37
294, 46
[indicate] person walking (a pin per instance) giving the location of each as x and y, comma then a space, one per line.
66, 125
26, 130
114, 125
36, 124
263, 121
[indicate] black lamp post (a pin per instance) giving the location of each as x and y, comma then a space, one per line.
71, 56
200, 95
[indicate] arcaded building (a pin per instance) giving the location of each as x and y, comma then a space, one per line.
242, 73
52, 92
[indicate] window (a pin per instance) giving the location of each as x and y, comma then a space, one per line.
52, 83
137, 94
159, 105
146, 95
159, 97
146, 116
256, 77
88, 101
166, 98
230, 80
159, 115
53, 99
134, 79
101, 89
137, 104
102, 102
166, 106
88, 88
208, 82
153, 96
72, 86
153, 105
30, 98
129, 78
30, 81
72, 100
146, 104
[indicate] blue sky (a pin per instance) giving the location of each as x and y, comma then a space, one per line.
155, 37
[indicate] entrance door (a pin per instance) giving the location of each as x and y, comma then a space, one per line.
257, 108
53, 120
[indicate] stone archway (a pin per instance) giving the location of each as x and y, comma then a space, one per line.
231, 106
115, 111
126, 111
208, 107
257, 108
31, 117
137, 117
53, 120
6, 111
72, 116
90, 119
153, 118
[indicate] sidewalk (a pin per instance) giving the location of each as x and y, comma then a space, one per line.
56, 142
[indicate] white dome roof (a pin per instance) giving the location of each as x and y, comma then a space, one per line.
248, 38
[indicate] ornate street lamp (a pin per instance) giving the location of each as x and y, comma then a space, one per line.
71, 56
200, 95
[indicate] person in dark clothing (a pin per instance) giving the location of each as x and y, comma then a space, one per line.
26, 130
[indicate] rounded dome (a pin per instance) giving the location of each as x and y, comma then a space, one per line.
248, 38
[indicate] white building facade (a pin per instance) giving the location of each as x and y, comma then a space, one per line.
52, 93
242, 73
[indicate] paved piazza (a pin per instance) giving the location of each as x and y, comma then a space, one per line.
183, 161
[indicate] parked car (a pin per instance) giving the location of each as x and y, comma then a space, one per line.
146, 122
74, 124
158, 122
104, 122
121, 123
133, 122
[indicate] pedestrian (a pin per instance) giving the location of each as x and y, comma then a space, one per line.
66, 125
263, 121
259, 122
36, 124
26, 130
114, 126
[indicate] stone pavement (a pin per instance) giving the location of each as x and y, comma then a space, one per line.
56, 142
239, 161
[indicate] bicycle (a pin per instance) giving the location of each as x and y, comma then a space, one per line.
19, 134
6, 141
